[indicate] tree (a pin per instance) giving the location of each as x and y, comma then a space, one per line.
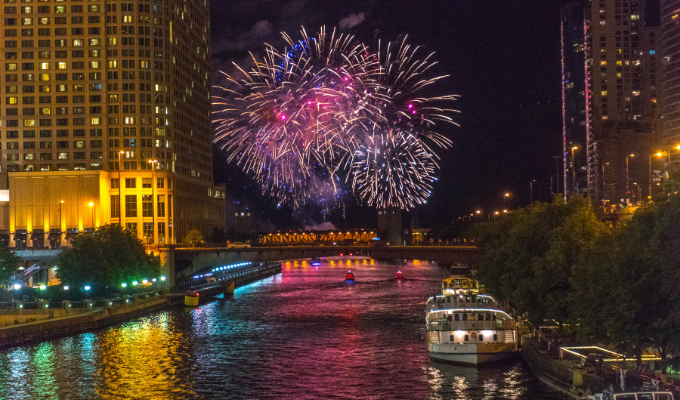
106, 259
627, 282
9, 261
528, 257
193, 237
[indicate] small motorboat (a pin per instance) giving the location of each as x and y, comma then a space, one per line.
400, 275
316, 261
349, 278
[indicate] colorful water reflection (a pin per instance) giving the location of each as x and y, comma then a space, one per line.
304, 333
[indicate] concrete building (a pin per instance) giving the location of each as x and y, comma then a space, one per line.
611, 108
670, 41
105, 118
389, 220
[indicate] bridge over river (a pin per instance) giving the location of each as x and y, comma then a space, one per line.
180, 263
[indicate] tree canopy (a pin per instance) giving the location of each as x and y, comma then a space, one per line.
194, 237
106, 259
528, 257
9, 261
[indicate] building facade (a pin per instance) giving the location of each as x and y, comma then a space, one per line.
619, 112
105, 118
670, 20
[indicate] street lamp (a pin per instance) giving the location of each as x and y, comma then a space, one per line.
659, 154
120, 189
153, 198
573, 169
494, 215
627, 176
639, 192
92, 208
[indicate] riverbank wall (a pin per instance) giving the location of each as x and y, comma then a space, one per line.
57, 323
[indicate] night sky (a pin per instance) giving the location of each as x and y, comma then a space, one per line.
503, 58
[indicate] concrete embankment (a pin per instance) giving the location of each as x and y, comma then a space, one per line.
113, 312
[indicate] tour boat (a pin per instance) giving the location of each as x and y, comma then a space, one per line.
400, 275
316, 261
610, 394
349, 277
466, 327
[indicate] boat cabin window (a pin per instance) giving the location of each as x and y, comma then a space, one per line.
467, 299
464, 317
474, 298
466, 338
448, 299
451, 338
662, 396
488, 316
495, 337
481, 338
480, 316
625, 397
645, 396
457, 317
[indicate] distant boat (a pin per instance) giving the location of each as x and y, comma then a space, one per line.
400, 275
316, 261
349, 278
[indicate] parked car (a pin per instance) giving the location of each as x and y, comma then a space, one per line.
238, 245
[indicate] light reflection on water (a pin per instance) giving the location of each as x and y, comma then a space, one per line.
300, 334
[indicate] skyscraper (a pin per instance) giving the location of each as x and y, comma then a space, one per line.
620, 83
670, 19
106, 119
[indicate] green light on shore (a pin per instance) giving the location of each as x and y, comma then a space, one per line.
134, 283
123, 284
43, 287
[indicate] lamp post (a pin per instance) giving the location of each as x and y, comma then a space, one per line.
573, 169
92, 208
60, 220
505, 196
531, 189
120, 189
659, 154
557, 173
494, 215
639, 191
627, 176
153, 198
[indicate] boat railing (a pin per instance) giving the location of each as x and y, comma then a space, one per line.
433, 306
445, 325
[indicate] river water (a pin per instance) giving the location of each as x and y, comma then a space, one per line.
301, 334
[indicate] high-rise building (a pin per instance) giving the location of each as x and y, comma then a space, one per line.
105, 118
614, 103
574, 117
670, 20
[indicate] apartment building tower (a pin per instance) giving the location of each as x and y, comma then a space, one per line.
612, 108
670, 25
105, 118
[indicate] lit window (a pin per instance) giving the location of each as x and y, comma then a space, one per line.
45, 78
113, 64
94, 64
603, 63
29, 122
78, 42
604, 93
94, 42
61, 65
96, 121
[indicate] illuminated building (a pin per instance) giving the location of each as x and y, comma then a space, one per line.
612, 108
91, 93
670, 25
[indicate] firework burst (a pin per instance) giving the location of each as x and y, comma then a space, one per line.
328, 113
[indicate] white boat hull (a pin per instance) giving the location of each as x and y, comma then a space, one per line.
471, 354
